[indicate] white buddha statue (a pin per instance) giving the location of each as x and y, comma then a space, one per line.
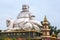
25, 21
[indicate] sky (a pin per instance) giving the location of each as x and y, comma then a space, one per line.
39, 8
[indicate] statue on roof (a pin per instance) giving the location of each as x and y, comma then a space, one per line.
25, 20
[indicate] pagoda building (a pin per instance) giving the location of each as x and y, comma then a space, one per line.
45, 30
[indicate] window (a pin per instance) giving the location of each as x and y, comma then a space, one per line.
34, 34
20, 34
23, 33
17, 33
14, 33
8, 34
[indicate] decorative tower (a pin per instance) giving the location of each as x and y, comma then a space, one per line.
45, 30
53, 37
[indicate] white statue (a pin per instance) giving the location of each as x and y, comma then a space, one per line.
25, 21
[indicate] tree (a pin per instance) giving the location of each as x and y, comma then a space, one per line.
58, 31
0, 30
55, 30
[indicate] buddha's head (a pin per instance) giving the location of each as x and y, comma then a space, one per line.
25, 8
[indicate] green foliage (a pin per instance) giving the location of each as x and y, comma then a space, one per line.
1, 39
58, 31
54, 29
0, 30
14, 39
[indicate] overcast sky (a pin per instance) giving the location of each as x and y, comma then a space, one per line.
40, 8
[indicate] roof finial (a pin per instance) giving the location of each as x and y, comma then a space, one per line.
45, 19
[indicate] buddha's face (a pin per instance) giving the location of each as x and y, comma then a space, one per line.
25, 8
